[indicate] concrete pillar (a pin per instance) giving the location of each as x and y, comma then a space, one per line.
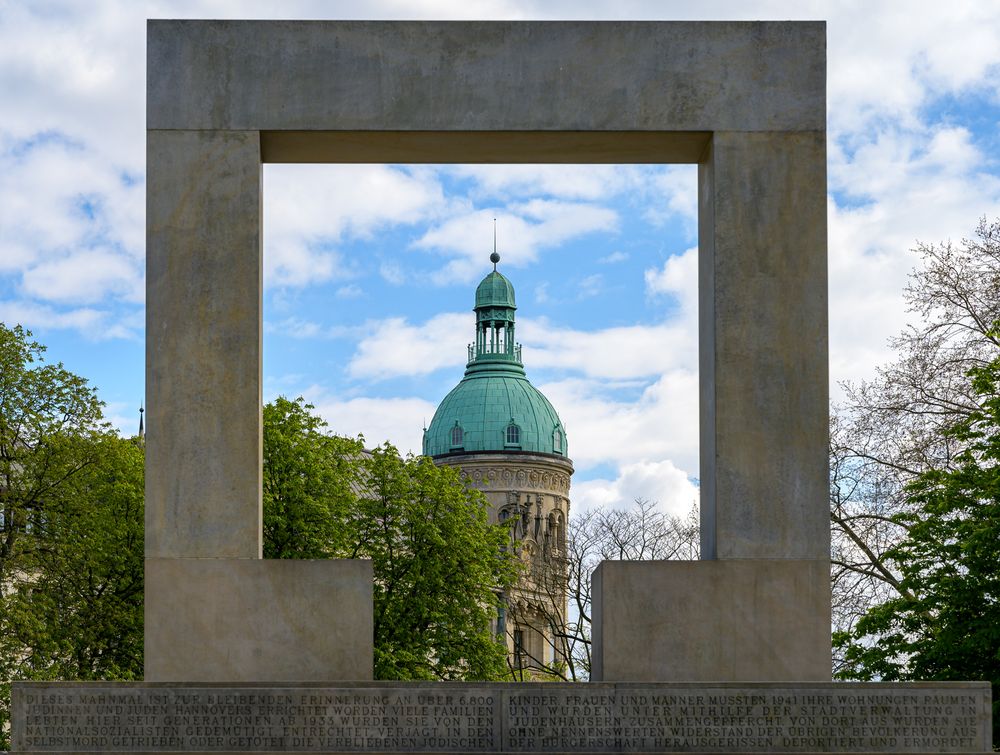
757, 607
203, 344
214, 611
764, 368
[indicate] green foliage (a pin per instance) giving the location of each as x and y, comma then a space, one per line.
67, 598
74, 607
44, 410
309, 479
439, 568
439, 565
945, 624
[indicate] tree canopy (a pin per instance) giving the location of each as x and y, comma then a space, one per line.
75, 610
71, 528
944, 624
309, 483
439, 565
440, 569
45, 411
891, 429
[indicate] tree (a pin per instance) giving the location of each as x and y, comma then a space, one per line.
74, 607
50, 427
75, 611
309, 483
439, 565
45, 411
440, 568
893, 428
944, 623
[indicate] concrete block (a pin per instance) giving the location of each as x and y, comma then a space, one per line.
203, 345
493, 76
708, 621
244, 620
763, 332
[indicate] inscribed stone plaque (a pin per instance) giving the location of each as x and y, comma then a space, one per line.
446, 717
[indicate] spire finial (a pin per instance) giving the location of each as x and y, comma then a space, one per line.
494, 258
142, 431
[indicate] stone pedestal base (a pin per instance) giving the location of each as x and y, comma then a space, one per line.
702, 621
395, 717
249, 620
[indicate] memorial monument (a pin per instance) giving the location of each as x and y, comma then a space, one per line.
727, 654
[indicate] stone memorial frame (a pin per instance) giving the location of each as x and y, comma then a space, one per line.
745, 101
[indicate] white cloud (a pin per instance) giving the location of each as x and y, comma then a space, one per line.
658, 481
662, 423
63, 209
677, 278
672, 191
907, 187
350, 291
888, 66
392, 273
617, 353
397, 420
309, 209
295, 327
581, 182
94, 324
613, 258
397, 348
524, 230
87, 276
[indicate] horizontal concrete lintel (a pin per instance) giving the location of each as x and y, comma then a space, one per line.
506, 75
483, 146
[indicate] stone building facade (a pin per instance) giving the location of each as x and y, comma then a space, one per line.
507, 440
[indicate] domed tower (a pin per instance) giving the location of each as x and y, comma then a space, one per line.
508, 440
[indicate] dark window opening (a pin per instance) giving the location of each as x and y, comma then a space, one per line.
518, 648
513, 435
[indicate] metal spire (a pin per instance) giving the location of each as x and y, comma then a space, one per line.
494, 258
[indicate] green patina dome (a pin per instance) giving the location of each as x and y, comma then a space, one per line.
495, 291
495, 407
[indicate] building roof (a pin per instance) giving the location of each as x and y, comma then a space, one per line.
495, 407
495, 291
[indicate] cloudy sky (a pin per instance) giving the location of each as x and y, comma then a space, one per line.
370, 270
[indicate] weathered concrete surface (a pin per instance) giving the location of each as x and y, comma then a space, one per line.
763, 331
745, 100
494, 76
238, 620
516, 717
203, 345
702, 621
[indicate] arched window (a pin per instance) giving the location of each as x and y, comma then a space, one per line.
557, 441
457, 436
513, 435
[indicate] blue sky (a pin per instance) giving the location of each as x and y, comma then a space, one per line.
370, 269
